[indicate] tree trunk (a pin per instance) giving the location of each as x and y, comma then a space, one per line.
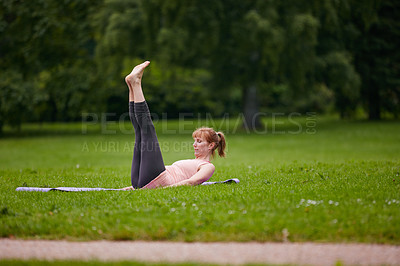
251, 114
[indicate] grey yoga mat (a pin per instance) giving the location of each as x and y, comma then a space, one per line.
81, 189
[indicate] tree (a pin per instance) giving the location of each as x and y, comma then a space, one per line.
246, 52
15, 99
40, 38
71, 56
164, 33
376, 56
343, 80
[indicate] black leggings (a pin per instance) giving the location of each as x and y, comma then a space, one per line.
147, 162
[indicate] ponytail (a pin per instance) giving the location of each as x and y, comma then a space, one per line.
221, 144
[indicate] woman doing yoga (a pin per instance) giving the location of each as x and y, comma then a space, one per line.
148, 169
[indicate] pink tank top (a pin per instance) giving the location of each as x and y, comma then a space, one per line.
177, 172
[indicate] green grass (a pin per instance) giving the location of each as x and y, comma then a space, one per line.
326, 181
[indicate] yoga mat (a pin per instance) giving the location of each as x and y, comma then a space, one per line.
233, 180
82, 189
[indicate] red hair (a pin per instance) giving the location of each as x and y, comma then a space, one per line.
211, 136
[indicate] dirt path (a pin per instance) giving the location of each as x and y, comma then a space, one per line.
222, 253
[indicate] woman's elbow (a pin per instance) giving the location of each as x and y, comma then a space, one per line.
198, 181
193, 182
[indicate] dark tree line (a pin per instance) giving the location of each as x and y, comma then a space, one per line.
60, 59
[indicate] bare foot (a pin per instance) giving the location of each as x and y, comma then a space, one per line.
135, 77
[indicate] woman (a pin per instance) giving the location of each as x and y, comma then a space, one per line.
148, 169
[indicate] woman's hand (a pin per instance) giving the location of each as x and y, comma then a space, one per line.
128, 188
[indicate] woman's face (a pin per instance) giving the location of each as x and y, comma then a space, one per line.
202, 148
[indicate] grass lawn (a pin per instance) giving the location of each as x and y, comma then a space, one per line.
302, 179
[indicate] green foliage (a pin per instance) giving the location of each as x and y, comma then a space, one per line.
66, 90
377, 57
41, 34
343, 80
16, 98
244, 56
44, 43
176, 89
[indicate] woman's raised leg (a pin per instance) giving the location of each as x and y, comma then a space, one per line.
150, 160
136, 150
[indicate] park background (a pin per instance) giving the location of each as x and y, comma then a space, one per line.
63, 59
307, 93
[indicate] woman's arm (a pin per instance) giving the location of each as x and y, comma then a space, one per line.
204, 173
